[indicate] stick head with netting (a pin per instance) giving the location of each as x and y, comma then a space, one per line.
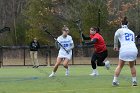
4, 29
79, 25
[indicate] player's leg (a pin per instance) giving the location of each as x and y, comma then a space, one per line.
117, 72
58, 62
93, 64
36, 59
32, 58
102, 61
65, 64
133, 73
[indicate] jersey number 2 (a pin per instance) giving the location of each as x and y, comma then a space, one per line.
65, 45
129, 37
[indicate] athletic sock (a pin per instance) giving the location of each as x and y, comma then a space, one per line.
115, 79
95, 71
67, 69
134, 79
53, 72
106, 62
67, 72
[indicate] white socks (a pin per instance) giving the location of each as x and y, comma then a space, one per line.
95, 70
53, 72
67, 72
115, 79
134, 79
106, 62
67, 69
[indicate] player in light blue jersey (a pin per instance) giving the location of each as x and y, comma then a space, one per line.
65, 52
127, 52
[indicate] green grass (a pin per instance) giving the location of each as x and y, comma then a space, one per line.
28, 80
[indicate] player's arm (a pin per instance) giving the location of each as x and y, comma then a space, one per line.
85, 37
71, 45
57, 45
116, 37
92, 42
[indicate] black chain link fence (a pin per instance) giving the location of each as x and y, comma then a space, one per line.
20, 55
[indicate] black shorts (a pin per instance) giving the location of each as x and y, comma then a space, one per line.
99, 57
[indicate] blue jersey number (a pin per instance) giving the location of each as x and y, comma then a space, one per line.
129, 37
65, 45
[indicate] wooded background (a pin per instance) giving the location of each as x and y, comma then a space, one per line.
27, 17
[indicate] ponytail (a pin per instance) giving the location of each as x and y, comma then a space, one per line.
125, 21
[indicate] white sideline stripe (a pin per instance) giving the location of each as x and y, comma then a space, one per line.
71, 90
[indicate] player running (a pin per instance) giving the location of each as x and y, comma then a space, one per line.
127, 52
100, 53
66, 41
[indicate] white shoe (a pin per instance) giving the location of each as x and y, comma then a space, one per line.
52, 74
134, 83
67, 72
115, 83
94, 73
107, 65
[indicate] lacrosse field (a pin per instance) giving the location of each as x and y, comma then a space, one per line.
29, 80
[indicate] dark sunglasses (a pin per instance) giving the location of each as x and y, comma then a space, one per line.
92, 29
66, 30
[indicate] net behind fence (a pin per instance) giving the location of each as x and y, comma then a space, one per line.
20, 56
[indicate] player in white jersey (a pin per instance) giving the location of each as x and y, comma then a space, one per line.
127, 52
65, 52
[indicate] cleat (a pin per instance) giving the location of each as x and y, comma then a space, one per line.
94, 74
115, 84
107, 65
134, 83
52, 75
67, 72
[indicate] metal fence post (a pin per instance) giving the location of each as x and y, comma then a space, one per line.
0, 56
49, 56
24, 56
72, 57
135, 62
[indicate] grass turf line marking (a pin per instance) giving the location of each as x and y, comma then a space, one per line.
74, 90
19, 79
